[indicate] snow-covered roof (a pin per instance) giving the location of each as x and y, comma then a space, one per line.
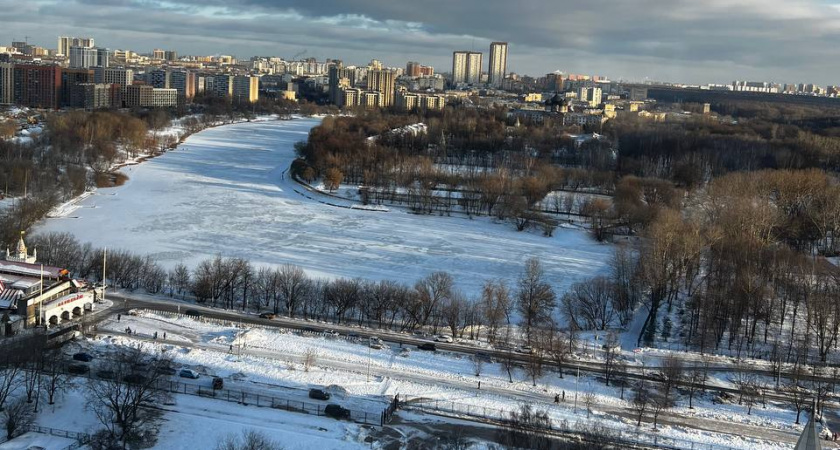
9, 297
21, 268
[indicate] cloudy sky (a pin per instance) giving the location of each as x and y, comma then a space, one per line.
693, 41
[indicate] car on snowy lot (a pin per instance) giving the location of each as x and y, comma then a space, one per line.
188, 373
428, 346
82, 356
336, 411
376, 343
134, 378
444, 338
106, 374
78, 368
319, 394
268, 315
405, 352
526, 349
166, 371
218, 383
192, 313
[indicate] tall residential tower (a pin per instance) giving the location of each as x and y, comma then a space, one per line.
498, 63
466, 67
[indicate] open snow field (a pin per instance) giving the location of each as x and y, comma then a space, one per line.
223, 192
270, 364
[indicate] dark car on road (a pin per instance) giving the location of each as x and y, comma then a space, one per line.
267, 315
82, 356
78, 368
427, 346
192, 313
319, 394
336, 411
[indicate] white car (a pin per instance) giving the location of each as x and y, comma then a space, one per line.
444, 338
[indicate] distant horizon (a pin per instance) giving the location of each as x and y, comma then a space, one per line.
716, 42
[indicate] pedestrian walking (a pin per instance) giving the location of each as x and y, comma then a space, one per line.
479, 385
164, 335
556, 398
564, 396
231, 348
118, 317
155, 338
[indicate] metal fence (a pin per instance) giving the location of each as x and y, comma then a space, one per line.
80, 438
252, 398
628, 439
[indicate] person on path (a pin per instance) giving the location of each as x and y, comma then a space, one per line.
479, 385
164, 335
119, 316
556, 398
564, 396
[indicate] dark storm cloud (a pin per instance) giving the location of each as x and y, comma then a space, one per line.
680, 40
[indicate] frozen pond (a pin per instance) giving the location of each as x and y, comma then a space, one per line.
221, 192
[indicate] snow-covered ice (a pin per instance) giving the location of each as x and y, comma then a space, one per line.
221, 192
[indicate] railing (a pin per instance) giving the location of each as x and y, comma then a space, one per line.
80, 438
627, 439
255, 399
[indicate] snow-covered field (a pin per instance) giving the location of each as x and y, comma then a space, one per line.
221, 192
271, 363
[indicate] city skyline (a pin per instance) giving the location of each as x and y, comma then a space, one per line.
710, 43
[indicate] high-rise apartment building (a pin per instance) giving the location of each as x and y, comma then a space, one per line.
103, 57
37, 86
340, 78
158, 54
72, 93
591, 95
7, 83
170, 55
113, 75
222, 85
82, 57
158, 78
141, 95
383, 81
466, 67
65, 42
246, 88
183, 81
498, 63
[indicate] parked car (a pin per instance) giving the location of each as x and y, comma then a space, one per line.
376, 343
405, 352
192, 313
188, 373
218, 383
352, 336
443, 338
309, 330
166, 371
82, 356
336, 411
484, 357
78, 368
331, 333
106, 374
527, 349
267, 315
427, 346
134, 378
319, 394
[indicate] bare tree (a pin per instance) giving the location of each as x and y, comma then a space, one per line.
293, 285
310, 357
477, 365
535, 298
54, 380
695, 382
249, 440
641, 401
589, 400
612, 357
672, 374
432, 291
122, 403
796, 397
17, 416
